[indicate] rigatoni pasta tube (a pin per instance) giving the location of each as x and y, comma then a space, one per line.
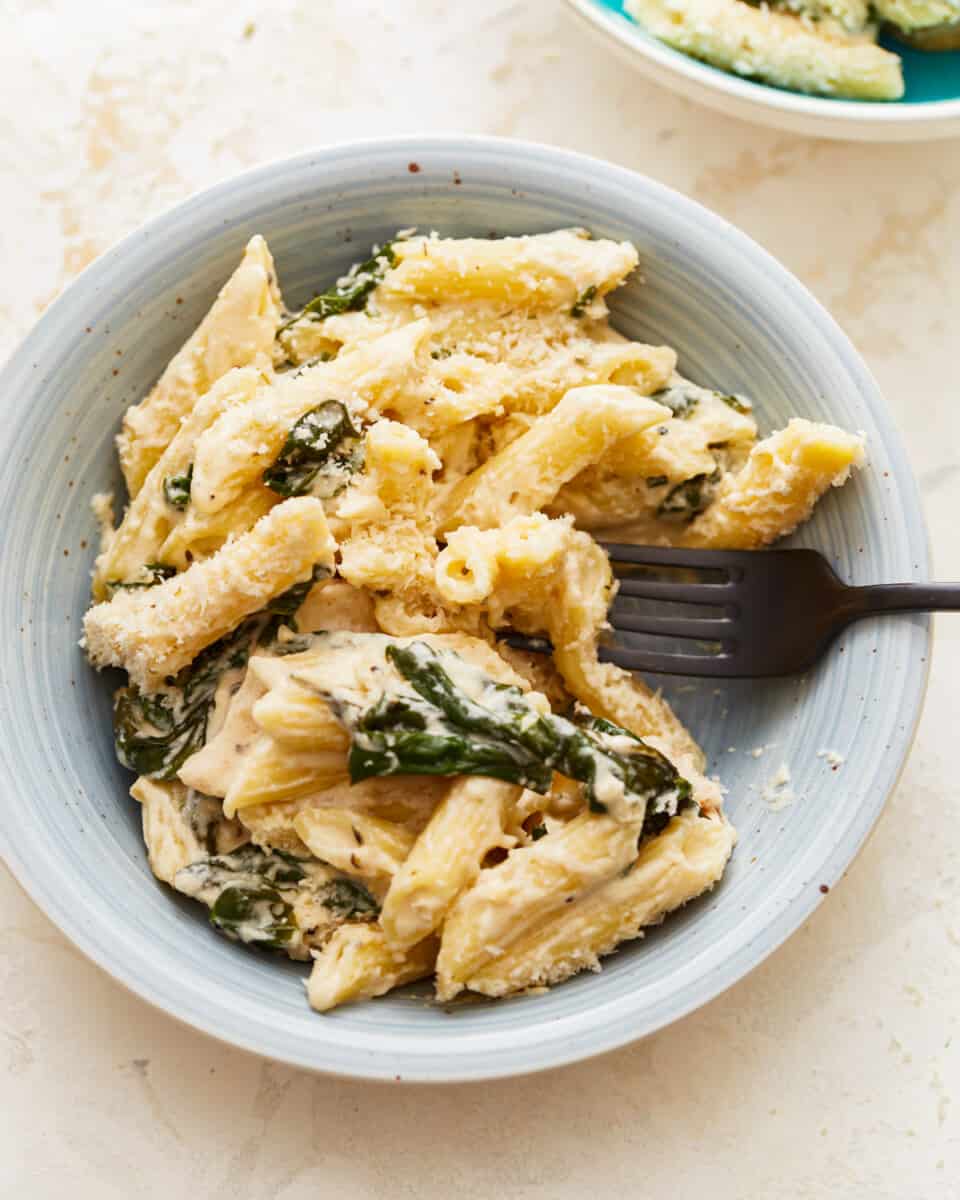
298, 718
216, 764
581, 362
153, 632
171, 843
241, 325
625, 487
199, 535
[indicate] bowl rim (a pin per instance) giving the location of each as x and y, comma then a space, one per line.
585, 1043
872, 118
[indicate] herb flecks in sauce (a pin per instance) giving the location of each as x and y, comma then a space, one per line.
684, 398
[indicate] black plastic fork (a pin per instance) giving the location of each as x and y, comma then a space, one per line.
775, 611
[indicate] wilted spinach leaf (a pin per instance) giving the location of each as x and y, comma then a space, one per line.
176, 488
150, 575
156, 734
350, 293
437, 729
583, 301
689, 498
324, 437
682, 399
349, 899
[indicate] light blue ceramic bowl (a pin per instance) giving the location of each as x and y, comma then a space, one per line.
930, 107
741, 322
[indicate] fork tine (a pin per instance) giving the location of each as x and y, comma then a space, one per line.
707, 628
687, 593
658, 663
672, 556
525, 641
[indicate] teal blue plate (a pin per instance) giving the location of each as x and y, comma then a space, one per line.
929, 108
929, 78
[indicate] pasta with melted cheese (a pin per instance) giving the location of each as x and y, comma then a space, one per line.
332, 514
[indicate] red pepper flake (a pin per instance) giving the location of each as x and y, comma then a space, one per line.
824, 888
413, 168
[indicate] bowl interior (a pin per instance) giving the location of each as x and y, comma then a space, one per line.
927, 77
739, 321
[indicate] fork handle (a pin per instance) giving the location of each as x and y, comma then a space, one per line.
902, 597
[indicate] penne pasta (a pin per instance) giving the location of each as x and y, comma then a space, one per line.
357, 843
153, 632
239, 328
446, 858
554, 270
578, 432
784, 477
150, 518
535, 880
670, 870
335, 518
358, 964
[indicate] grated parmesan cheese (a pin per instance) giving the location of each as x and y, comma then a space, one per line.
777, 793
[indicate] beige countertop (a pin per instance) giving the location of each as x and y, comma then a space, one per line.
834, 1069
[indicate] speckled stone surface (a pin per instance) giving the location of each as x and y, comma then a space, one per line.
832, 1070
